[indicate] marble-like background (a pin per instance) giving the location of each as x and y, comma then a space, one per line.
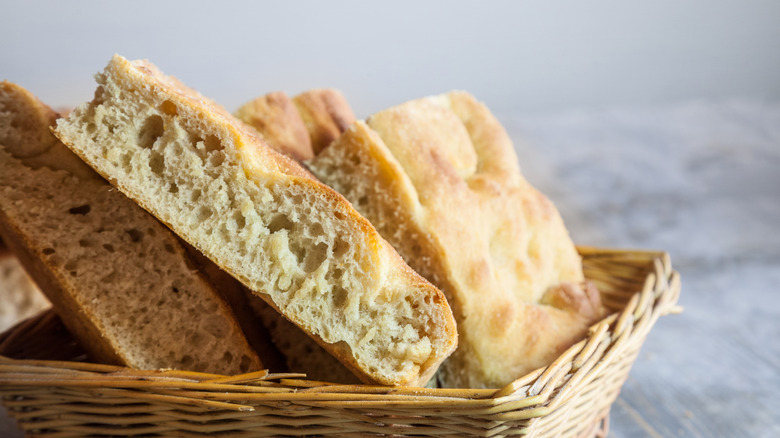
701, 181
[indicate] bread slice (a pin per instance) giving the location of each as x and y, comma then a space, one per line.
439, 179
327, 115
19, 296
264, 219
119, 279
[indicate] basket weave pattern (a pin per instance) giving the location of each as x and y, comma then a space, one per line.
569, 398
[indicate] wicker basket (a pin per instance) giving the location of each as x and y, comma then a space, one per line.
570, 397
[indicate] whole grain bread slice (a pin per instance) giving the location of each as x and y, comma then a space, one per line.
119, 279
20, 298
261, 217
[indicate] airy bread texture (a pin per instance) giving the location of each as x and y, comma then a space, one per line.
264, 219
118, 278
439, 179
19, 296
327, 115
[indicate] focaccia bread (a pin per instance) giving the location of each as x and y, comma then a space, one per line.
118, 278
19, 296
264, 219
439, 179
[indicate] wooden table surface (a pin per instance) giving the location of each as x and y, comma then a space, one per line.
701, 181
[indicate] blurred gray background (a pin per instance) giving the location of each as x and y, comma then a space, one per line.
650, 124
514, 55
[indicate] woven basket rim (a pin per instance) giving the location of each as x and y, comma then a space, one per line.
538, 394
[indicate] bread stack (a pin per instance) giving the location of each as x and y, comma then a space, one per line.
321, 260
121, 281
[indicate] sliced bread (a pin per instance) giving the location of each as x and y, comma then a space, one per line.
264, 219
119, 279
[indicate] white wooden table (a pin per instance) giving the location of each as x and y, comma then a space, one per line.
701, 181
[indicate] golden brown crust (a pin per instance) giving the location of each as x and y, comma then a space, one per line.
277, 120
478, 230
326, 114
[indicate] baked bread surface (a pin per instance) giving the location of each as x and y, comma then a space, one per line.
439, 179
264, 219
118, 278
20, 298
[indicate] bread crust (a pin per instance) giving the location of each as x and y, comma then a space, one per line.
276, 119
326, 114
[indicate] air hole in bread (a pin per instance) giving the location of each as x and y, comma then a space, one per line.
173, 188
135, 235
157, 163
48, 251
169, 108
126, 161
239, 220
212, 143
340, 248
86, 243
280, 222
315, 256
339, 215
168, 248
216, 158
151, 130
338, 296
108, 247
195, 195
71, 265
80, 210
204, 213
